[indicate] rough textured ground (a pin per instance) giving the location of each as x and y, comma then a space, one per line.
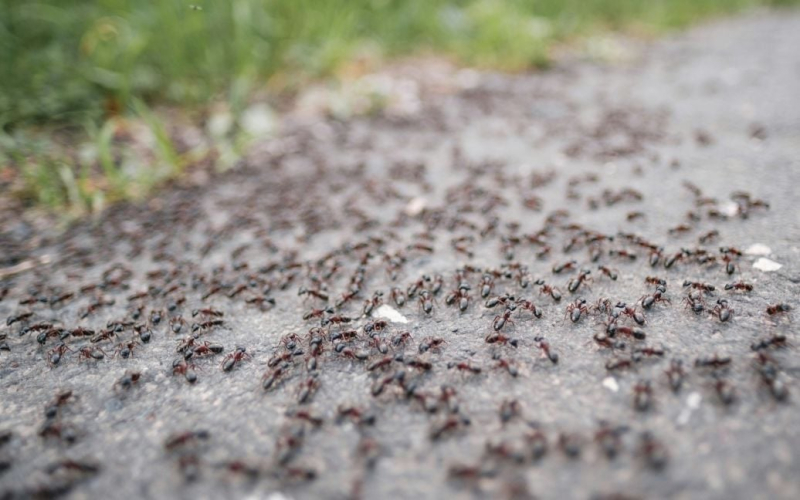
513, 165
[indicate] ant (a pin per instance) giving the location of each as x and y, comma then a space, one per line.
604, 340
546, 349
739, 286
776, 340
371, 304
450, 424
625, 254
778, 308
487, 285
570, 444
307, 389
576, 309
510, 409
425, 301
725, 391
380, 363
631, 312
18, 318
205, 325
554, 292
729, 255
507, 365
642, 395
507, 300
466, 367
653, 451
611, 273
374, 327
609, 439
269, 378
618, 364
636, 333
335, 320
695, 302
359, 416
431, 343
705, 287
679, 229
346, 297
319, 294
205, 349
125, 349
675, 374
317, 313
575, 283
233, 358
461, 295
401, 338
655, 280
497, 338
500, 320
639, 352
186, 369
183, 439
417, 285
128, 380
529, 306
714, 361
94, 353
722, 310
208, 312
565, 266
399, 296
708, 237
62, 398
648, 301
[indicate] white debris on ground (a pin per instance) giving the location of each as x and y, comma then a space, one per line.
390, 313
611, 384
758, 249
766, 265
692, 403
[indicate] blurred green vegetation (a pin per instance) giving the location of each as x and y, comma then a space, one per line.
72, 65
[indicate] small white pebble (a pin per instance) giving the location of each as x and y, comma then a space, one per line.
693, 401
611, 384
766, 265
390, 313
415, 207
730, 209
758, 249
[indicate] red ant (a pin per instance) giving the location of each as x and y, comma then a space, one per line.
618, 364
722, 310
739, 286
575, 283
624, 254
401, 338
611, 273
398, 296
425, 301
778, 308
648, 301
507, 365
642, 395
776, 340
371, 304
565, 266
205, 349
461, 296
319, 294
184, 438
208, 312
501, 319
714, 361
705, 287
269, 378
128, 380
94, 353
428, 343
186, 369
554, 292
486, 285
317, 313
653, 451
675, 374
233, 358
307, 389
465, 367
529, 306
576, 309
498, 338
546, 349
506, 300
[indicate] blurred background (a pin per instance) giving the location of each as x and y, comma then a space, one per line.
105, 100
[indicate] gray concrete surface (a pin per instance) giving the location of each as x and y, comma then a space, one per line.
716, 106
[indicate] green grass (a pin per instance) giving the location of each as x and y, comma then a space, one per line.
72, 65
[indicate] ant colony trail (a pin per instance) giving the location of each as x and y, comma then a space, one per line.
573, 284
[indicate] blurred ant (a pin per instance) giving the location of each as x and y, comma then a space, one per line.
399, 296
739, 286
565, 266
428, 343
128, 380
642, 395
611, 273
465, 366
498, 338
653, 451
778, 309
93, 353
371, 304
529, 306
507, 300
271, 377
546, 349
675, 374
425, 301
507, 365
183, 367
318, 294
